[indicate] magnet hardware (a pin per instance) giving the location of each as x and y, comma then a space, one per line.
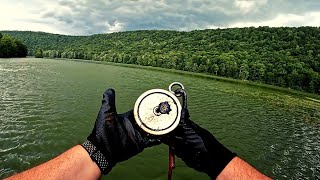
157, 111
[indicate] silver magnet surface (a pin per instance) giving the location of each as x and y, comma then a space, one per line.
148, 117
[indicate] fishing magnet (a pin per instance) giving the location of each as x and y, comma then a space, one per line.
157, 111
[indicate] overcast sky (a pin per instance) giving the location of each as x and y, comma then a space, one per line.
83, 17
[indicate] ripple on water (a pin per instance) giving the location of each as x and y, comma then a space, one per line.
8, 146
47, 106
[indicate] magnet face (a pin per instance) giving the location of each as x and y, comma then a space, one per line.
157, 111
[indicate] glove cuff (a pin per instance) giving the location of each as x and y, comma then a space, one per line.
221, 162
97, 157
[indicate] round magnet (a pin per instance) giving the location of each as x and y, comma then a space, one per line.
157, 111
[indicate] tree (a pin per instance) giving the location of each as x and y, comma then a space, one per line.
7, 47
257, 71
244, 72
279, 56
22, 49
215, 69
38, 53
11, 47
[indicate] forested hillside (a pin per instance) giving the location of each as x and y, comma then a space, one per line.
286, 57
11, 47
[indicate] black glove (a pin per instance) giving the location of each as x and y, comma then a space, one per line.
197, 147
115, 137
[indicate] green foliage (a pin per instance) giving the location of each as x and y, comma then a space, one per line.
286, 57
38, 53
10, 47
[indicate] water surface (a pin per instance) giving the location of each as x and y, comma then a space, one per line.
47, 106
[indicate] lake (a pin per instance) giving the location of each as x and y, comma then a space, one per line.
48, 106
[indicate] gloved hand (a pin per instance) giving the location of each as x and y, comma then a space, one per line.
197, 147
115, 137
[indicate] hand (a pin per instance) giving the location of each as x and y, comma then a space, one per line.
115, 137
197, 147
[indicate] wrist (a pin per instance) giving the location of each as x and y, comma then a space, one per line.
97, 157
220, 161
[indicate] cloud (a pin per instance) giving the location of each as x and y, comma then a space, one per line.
247, 6
18, 15
290, 20
80, 17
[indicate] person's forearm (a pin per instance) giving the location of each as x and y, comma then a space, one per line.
239, 169
72, 164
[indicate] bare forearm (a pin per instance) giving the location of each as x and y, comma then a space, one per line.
239, 169
72, 164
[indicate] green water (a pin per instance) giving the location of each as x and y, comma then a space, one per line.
47, 106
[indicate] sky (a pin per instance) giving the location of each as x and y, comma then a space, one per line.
86, 17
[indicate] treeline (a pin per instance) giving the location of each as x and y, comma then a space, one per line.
286, 57
11, 47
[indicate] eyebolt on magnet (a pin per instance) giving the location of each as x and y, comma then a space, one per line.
180, 91
176, 92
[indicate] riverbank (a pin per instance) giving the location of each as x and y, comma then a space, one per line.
309, 96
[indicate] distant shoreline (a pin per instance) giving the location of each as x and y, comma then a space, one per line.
284, 57
309, 96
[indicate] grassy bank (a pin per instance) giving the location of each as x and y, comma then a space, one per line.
309, 96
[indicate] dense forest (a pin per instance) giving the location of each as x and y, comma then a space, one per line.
11, 47
285, 56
